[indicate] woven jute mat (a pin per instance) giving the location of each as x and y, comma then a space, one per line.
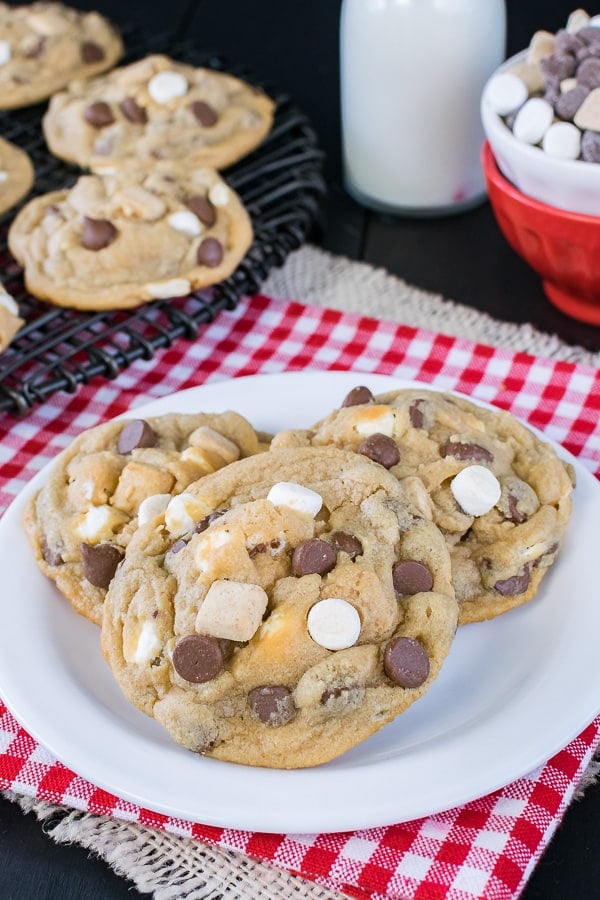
177, 868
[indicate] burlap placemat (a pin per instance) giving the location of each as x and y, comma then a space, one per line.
177, 868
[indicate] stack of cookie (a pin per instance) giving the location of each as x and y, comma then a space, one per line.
276, 601
153, 219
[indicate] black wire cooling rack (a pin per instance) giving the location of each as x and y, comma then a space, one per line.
281, 185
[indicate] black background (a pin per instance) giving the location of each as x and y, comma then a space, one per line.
293, 44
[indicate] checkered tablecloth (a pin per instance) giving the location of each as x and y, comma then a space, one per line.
485, 849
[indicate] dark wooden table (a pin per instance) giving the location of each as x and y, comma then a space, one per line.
294, 46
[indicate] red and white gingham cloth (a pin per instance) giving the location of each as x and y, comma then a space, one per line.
485, 849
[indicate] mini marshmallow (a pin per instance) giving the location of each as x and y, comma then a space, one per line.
333, 624
151, 507
375, 420
562, 141
5, 52
182, 513
533, 120
476, 490
3, 176
218, 194
8, 302
505, 93
232, 610
148, 645
176, 287
295, 496
99, 523
184, 220
166, 86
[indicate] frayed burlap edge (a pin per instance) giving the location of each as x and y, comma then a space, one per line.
178, 868
168, 866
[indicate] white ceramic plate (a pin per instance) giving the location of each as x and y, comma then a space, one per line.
512, 692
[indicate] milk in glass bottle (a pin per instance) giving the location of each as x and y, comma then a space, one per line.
412, 74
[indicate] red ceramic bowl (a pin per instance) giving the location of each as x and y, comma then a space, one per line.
563, 247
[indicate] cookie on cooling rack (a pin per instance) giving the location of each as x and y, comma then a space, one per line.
500, 495
116, 241
156, 109
16, 175
44, 45
308, 606
10, 320
98, 488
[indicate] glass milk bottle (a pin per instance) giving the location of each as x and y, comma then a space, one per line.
412, 74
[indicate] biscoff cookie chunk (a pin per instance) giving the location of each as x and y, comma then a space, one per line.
16, 175
116, 241
114, 477
44, 45
308, 605
157, 109
500, 495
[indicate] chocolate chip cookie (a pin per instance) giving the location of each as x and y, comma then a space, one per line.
10, 320
16, 175
306, 605
116, 241
44, 45
500, 495
114, 477
156, 109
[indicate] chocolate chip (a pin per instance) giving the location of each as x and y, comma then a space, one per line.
358, 396
590, 146
588, 73
132, 111
258, 548
198, 658
313, 557
203, 209
411, 577
381, 449
91, 52
100, 562
204, 113
210, 253
467, 450
136, 433
589, 34
178, 545
567, 104
342, 542
514, 513
406, 662
97, 233
514, 585
51, 554
558, 66
273, 704
566, 42
98, 114
203, 524
415, 414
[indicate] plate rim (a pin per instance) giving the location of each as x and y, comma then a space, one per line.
329, 818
